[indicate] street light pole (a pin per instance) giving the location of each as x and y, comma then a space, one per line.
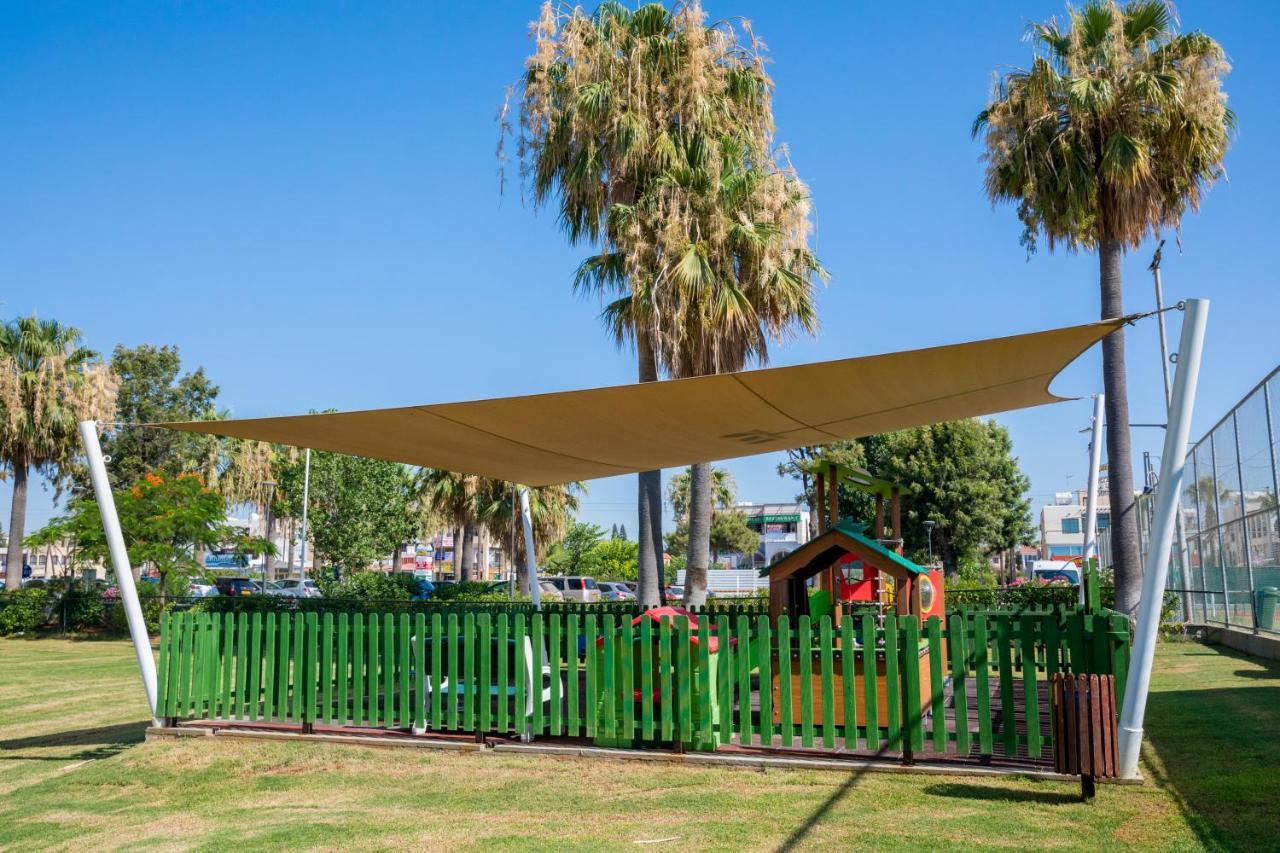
302, 549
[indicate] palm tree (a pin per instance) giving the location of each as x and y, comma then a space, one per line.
655, 132
457, 497
1119, 127
552, 510
48, 384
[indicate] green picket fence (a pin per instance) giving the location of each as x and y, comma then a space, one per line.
972, 685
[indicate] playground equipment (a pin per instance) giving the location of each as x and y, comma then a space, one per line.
847, 567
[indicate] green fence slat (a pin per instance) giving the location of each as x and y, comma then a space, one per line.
326, 669
588, 704
569, 653
269, 689
373, 670
627, 679
743, 665
848, 682
182, 664
484, 665
893, 683
537, 687
666, 664
452, 652
344, 639
982, 685
786, 713
705, 724
1004, 654
225, 710
607, 730
764, 671
1096, 626
912, 701
419, 658
556, 720
937, 701
724, 678
1075, 638
468, 671
388, 716
522, 677
956, 645
805, 644
826, 655
684, 680
357, 669
1030, 688
505, 690
1119, 657
438, 642
310, 668
646, 664
242, 666
1049, 629
196, 653
163, 682
255, 665
403, 668
212, 662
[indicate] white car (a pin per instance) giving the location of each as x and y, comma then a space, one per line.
576, 588
299, 589
200, 589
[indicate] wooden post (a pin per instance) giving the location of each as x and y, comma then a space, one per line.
833, 499
895, 509
819, 493
879, 531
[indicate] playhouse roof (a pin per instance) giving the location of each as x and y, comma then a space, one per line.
542, 439
846, 537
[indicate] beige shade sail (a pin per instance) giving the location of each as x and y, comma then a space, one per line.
542, 439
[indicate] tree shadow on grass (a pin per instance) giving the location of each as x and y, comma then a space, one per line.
1006, 795
798, 835
101, 742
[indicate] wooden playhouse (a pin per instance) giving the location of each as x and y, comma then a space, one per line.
851, 567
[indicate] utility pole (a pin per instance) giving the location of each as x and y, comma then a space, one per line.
268, 492
1091, 499
1184, 569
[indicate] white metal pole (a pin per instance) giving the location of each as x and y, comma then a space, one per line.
1156, 569
306, 499
530, 558
1091, 500
120, 561
1168, 402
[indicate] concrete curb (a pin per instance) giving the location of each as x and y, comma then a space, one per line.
758, 762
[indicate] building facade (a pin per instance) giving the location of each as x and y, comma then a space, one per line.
1062, 525
782, 527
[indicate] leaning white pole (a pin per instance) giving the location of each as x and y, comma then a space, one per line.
1091, 500
1156, 569
120, 561
530, 558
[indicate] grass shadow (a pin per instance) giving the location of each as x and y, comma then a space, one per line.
991, 794
101, 742
798, 835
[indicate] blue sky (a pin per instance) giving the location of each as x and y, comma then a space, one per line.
304, 199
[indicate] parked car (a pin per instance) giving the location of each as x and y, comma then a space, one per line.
295, 588
576, 588
549, 591
200, 589
615, 591
675, 592
236, 586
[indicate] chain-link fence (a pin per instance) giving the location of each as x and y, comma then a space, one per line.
1229, 511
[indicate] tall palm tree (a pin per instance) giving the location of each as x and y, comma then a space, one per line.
1116, 130
457, 497
49, 382
655, 133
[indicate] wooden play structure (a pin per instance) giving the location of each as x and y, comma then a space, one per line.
848, 567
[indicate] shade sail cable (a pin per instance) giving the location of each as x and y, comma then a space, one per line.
556, 437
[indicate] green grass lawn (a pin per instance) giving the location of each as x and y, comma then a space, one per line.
75, 774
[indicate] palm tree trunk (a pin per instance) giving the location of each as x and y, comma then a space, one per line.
457, 553
482, 558
467, 563
699, 555
17, 525
649, 592
1124, 519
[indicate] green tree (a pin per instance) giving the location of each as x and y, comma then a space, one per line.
724, 491
359, 508
613, 560
729, 534
655, 133
551, 510
1119, 126
165, 521
48, 384
153, 389
567, 556
962, 476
